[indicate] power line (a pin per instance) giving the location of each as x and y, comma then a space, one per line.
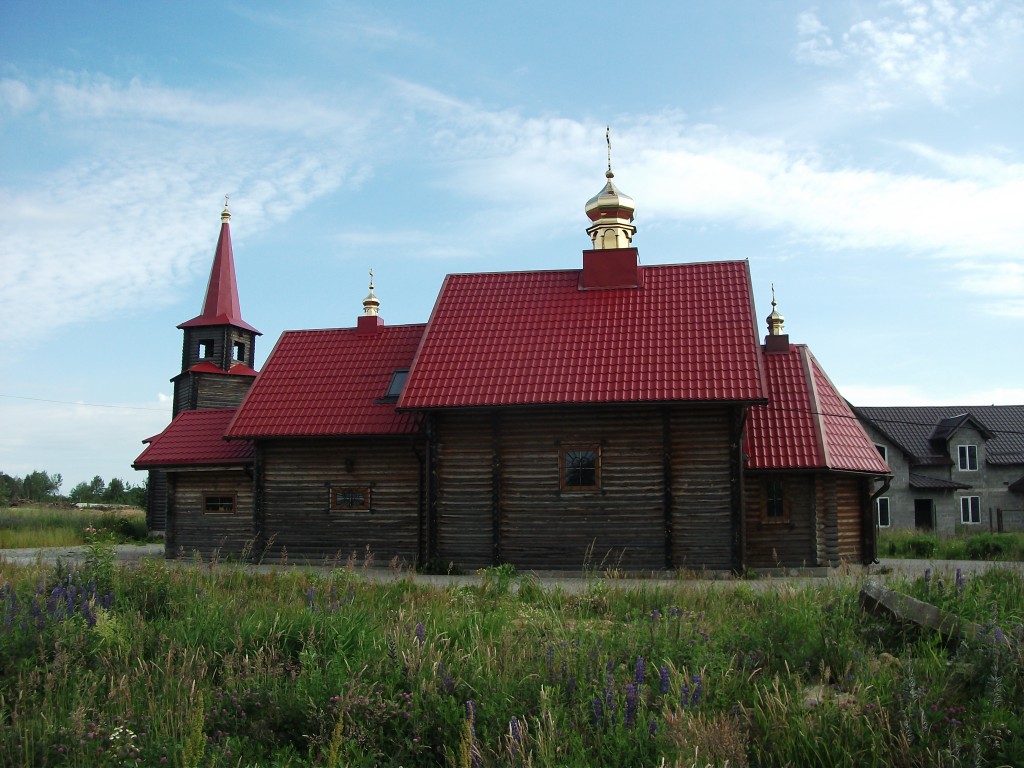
88, 405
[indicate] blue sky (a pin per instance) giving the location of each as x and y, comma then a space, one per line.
866, 157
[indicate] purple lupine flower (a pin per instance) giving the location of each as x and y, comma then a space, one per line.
471, 712
999, 636
515, 733
652, 727
310, 595
609, 695
640, 671
663, 670
655, 615
684, 697
421, 633
927, 575
631, 705
598, 711
959, 581
698, 686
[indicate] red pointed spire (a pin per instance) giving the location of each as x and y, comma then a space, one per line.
221, 306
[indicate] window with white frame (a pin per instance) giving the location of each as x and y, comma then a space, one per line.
968, 457
970, 510
882, 504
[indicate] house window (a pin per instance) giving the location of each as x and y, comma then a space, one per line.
219, 503
968, 455
775, 501
238, 351
970, 510
882, 504
346, 497
883, 452
205, 349
580, 467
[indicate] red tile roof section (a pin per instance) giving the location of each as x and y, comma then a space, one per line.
329, 382
221, 306
195, 438
517, 338
806, 424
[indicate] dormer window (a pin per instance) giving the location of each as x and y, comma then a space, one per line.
238, 351
968, 457
397, 383
205, 349
883, 452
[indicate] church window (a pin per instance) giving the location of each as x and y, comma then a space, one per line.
348, 497
580, 467
205, 349
775, 509
219, 503
238, 351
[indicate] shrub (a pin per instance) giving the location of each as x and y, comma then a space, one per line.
986, 546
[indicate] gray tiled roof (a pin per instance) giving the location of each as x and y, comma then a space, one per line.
913, 428
935, 483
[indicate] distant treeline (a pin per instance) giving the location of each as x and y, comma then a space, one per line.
41, 486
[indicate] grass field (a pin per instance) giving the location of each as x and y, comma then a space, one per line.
224, 666
1003, 547
65, 526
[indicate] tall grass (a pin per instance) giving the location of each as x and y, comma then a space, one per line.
48, 526
958, 546
225, 666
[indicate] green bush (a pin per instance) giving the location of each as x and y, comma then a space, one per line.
986, 546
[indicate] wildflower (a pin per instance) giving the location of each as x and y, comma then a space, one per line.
652, 728
640, 671
631, 705
698, 687
959, 581
927, 575
516, 735
664, 678
598, 712
421, 633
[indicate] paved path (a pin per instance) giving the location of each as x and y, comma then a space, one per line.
130, 554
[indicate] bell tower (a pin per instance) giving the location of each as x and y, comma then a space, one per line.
218, 353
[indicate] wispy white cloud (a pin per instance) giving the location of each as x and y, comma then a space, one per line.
906, 50
121, 225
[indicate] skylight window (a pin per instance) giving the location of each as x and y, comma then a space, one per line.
397, 383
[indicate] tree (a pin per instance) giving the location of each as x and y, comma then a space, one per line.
115, 491
40, 486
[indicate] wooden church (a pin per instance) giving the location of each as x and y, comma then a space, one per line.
605, 414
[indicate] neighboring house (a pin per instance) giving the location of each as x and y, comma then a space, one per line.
614, 414
952, 466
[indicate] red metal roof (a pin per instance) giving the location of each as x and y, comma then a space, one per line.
806, 423
195, 438
237, 369
516, 338
221, 306
329, 382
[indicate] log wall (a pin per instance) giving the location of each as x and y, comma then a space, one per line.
499, 496
704, 479
786, 543
840, 533
190, 530
297, 522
